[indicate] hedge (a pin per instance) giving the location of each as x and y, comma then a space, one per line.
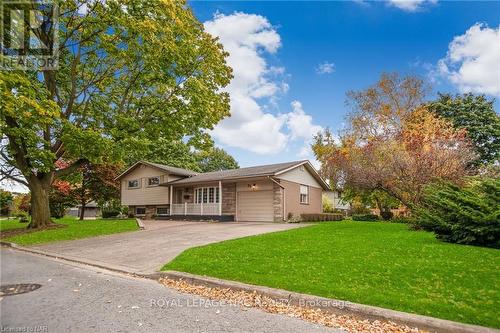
321, 217
365, 217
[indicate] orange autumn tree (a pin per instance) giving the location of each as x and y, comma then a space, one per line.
393, 144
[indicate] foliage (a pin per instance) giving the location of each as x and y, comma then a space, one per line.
386, 214
216, 159
380, 264
365, 217
321, 217
465, 215
60, 198
393, 145
327, 204
130, 74
21, 203
108, 213
477, 115
74, 229
6, 199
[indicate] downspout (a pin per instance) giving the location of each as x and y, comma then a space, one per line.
282, 189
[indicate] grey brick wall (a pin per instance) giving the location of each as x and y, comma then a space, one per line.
277, 203
229, 199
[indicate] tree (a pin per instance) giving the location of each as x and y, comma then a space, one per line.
6, 199
216, 159
467, 214
96, 182
394, 145
60, 198
477, 115
130, 73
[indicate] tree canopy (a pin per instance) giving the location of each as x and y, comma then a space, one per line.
477, 115
393, 143
131, 73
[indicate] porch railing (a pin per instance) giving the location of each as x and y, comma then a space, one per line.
196, 209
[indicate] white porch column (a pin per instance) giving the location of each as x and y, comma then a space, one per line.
220, 198
185, 208
201, 207
170, 199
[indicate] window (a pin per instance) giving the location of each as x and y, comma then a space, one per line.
140, 210
206, 195
304, 194
154, 181
162, 211
134, 183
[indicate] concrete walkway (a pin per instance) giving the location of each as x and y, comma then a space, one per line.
146, 251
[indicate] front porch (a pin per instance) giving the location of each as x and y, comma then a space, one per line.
207, 201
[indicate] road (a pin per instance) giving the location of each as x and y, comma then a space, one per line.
78, 298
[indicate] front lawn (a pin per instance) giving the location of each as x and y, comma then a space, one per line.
74, 229
375, 263
11, 224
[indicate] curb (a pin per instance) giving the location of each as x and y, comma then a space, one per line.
74, 260
140, 224
330, 305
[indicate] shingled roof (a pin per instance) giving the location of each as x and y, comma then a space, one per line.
167, 168
256, 171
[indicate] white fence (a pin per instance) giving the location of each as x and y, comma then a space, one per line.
196, 209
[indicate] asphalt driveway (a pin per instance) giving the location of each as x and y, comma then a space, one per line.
146, 251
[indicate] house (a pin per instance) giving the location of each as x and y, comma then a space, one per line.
262, 193
335, 198
92, 210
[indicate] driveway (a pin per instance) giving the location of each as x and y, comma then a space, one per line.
146, 251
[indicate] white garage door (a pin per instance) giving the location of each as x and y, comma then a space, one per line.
255, 206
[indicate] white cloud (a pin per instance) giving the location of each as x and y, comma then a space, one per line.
473, 61
302, 128
255, 86
247, 38
410, 5
325, 68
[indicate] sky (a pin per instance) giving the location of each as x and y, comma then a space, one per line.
293, 62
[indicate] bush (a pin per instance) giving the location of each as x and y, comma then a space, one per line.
365, 217
321, 217
22, 216
464, 215
110, 213
327, 204
386, 214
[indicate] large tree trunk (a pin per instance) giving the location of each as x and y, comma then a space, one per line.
40, 211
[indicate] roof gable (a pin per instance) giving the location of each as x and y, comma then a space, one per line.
162, 167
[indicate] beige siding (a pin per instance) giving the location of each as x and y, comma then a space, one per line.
145, 195
300, 175
292, 200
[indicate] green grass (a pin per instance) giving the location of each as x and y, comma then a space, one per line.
11, 224
75, 230
375, 263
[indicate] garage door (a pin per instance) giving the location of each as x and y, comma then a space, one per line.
255, 206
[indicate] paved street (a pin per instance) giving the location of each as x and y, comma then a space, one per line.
148, 250
76, 298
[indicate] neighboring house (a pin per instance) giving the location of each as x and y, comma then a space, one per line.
261, 193
336, 199
92, 210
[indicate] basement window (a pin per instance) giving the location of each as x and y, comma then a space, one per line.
140, 211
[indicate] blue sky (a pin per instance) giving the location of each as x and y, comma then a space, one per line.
359, 41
